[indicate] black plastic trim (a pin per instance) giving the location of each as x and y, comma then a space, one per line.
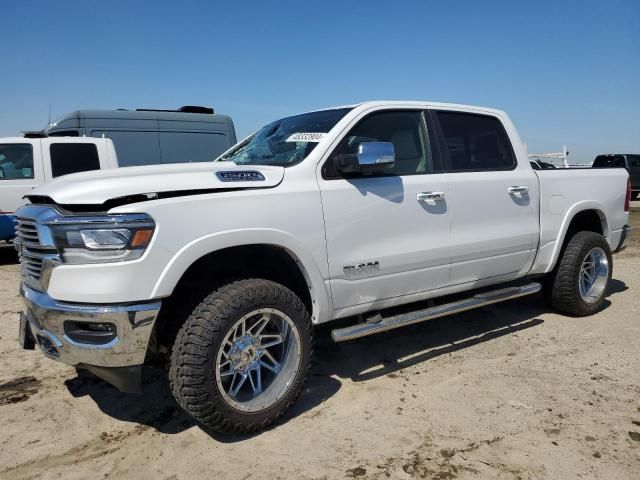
91, 333
125, 379
126, 200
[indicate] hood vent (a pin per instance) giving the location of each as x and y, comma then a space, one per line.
241, 176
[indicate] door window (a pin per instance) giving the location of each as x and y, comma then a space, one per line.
475, 142
405, 129
69, 158
16, 161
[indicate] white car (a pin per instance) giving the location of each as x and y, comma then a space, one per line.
226, 268
26, 163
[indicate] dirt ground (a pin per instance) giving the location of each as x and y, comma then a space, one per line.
511, 391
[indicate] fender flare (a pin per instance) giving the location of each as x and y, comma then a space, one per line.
570, 214
198, 248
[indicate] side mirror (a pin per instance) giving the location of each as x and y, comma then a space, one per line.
371, 157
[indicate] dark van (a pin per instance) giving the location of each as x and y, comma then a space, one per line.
148, 137
622, 160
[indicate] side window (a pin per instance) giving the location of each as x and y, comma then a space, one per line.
405, 129
69, 158
185, 147
133, 148
16, 161
475, 142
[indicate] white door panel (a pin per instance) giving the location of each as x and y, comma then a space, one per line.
13, 189
493, 230
381, 220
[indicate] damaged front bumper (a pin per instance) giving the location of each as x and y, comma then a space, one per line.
109, 340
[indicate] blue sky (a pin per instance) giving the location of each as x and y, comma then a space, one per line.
568, 72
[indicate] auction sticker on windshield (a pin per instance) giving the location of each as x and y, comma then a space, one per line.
305, 137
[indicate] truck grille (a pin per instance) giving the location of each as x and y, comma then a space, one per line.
27, 231
31, 265
34, 256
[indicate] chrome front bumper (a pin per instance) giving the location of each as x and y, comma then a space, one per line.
133, 323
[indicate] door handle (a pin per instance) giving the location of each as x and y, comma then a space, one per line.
424, 196
518, 189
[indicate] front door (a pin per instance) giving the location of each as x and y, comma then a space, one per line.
387, 233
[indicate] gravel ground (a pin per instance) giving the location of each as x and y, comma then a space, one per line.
510, 391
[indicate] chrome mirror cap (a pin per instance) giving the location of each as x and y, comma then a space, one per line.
376, 155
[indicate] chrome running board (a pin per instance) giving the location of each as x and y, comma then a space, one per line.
479, 300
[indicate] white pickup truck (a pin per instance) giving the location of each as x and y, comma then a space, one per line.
27, 162
225, 268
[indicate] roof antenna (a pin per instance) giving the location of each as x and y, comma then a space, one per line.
49, 122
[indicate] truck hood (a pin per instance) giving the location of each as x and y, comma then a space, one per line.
98, 187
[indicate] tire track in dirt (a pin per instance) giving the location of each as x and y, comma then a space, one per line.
18, 390
105, 444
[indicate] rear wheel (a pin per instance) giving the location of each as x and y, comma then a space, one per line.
242, 357
581, 279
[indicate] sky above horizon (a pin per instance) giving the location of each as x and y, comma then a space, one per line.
568, 73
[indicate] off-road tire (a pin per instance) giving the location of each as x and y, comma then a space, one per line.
193, 359
561, 287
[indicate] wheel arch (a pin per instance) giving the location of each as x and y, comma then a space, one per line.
584, 216
244, 246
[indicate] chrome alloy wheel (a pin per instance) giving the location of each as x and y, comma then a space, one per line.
594, 275
258, 360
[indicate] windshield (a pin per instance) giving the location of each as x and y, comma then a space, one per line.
16, 161
287, 141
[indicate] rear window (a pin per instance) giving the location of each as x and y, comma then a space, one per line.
64, 133
69, 158
609, 161
16, 161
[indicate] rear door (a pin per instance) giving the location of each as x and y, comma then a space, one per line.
492, 198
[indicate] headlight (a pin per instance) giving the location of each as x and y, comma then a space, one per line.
100, 240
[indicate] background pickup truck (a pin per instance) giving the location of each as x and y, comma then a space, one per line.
26, 163
361, 212
622, 160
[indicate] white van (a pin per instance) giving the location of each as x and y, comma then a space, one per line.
26, 163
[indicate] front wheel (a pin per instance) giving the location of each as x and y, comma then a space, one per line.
581, 279
242, 357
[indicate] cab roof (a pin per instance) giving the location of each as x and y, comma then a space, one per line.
416, 103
